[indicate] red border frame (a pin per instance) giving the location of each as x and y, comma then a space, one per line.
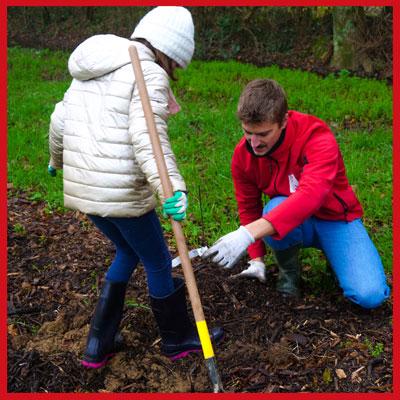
3, 196
3, 193
201, 3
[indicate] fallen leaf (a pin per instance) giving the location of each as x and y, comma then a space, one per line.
71, 229
297, 338
334, 342
26, 285
327, 376
355, 337
340, 373
355, 377
12, 330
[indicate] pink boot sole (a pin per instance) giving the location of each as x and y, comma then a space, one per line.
183, 354
100, 364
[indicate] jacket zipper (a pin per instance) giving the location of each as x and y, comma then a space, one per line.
276, 175
344, 205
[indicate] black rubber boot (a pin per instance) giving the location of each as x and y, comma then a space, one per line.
289, 271
102, 338
178, 335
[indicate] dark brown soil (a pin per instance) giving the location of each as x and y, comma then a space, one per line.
321, 343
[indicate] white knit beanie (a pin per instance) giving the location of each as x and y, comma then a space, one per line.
170, 30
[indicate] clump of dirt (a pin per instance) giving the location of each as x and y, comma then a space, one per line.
56, 266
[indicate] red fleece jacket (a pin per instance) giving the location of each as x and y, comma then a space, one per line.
307, 167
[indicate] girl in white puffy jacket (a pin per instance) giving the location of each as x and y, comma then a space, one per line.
98, 136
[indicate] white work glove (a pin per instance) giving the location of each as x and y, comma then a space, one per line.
256, 269
228, 249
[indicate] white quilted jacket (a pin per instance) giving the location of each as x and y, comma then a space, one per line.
98, 133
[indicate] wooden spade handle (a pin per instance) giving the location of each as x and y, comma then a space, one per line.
167, 186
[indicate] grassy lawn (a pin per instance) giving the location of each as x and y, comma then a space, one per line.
205, 132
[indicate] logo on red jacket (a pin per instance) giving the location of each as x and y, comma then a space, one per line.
293, 183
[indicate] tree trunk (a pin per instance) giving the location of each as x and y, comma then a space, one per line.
90, 13
348, 27
46, 16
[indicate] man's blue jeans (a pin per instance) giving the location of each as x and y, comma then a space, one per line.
349, 250
139, 238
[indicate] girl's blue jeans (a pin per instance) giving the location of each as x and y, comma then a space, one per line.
349, 250
138, 239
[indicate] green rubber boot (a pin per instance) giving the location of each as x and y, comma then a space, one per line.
289, 271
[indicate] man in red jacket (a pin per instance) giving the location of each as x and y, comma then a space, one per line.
295, 160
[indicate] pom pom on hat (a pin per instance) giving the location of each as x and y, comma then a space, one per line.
170, 30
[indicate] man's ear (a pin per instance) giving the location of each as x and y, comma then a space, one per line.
284, 122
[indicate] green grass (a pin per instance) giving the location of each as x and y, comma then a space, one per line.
36, 81
205, 132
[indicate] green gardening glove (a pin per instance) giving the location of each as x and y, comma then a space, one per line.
176, 206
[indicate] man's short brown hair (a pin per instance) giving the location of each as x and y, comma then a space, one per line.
262, 100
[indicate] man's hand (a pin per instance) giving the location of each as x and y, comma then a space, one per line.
52, 171
256, 269
176, 206
227, 250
